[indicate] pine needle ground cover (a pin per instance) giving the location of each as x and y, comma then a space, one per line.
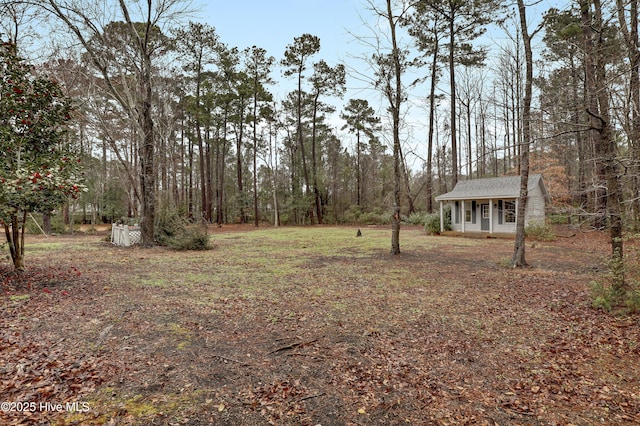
313, 325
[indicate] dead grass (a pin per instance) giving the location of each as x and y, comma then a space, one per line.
307, 326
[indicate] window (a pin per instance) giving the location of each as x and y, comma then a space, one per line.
457, 209
485, 211
510, 212
467, 215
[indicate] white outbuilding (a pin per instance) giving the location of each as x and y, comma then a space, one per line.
490, 205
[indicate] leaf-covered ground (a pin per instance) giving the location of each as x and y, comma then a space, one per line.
315, 326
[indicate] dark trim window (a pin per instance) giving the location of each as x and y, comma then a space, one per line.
510, 212
474, 210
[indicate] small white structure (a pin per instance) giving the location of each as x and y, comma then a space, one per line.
124, 235
490, 205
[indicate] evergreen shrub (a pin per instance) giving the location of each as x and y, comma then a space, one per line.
175, 232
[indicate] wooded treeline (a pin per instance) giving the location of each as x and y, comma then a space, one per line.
168, 111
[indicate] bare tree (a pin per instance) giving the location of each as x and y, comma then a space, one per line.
466, 21
601, 132
427, 28
518, 259
388, 79
628, 21
142, 25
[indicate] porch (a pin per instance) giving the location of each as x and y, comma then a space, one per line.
474, 234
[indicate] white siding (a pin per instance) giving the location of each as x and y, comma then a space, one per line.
497, 191
535, 213
535, 206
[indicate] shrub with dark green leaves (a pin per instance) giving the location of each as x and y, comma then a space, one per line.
432, 221
193, 237
175, 232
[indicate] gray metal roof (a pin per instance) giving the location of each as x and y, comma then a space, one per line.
498, 187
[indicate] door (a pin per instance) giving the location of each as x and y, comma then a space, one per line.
485, 213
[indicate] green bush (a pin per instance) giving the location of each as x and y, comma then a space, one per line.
432, 221
539, 231
622, 299
352, 215
605, 297
375, 218
174, 232
194, 237
632, 300
559, 219
601, 296
356, 216
417, 218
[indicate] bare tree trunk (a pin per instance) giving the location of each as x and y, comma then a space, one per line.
358, 170
604, 145
314, 164
46, 223
274, 170
208, 178
147, 166
630, 32
239, 159
181, 162
256, 216
432, 124
219, 184
583, 199
452, 82
395, 99
407, 185
75, 18
190, 183
518, 259
201, 155
596, 122
221, 151
593, 111
300, 140
14, 233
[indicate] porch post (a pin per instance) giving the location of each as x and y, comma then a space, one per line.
441, 218
490, 216
464, 215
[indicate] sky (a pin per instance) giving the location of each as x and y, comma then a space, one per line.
273, 25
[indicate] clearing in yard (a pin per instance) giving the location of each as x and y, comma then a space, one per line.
315, 326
